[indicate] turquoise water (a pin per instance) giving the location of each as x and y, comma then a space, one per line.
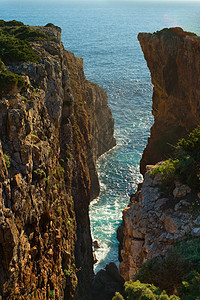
105, 35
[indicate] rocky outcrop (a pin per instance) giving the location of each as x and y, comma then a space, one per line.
172, 56
101, 127
156, 216
155, 220
49, 146
106, 282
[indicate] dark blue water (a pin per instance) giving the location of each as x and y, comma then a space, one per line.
105, 35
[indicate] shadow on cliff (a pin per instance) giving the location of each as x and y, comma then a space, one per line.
107, 281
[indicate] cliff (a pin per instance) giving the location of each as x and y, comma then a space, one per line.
165, 209
172, 57
154, 220
52, 133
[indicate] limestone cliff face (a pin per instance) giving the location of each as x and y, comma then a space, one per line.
172, 56
155, 217
153, 221
101, 127
51, 137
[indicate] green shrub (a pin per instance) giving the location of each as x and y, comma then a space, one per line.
52, 25
168, 272
118, 296
178, 270
141, 291
2, 66
26, 33
186, 164
9, 80
176, 31
10, 23
7, 160
67, 272
190, 288
13, 49
39, 173
167, 170
51, 294
189, 248
191, 144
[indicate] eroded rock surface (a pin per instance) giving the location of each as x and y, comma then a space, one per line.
173, 58
51, 136
152, 223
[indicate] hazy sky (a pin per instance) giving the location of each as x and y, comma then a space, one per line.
101, 0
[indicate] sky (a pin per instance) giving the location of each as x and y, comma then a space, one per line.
105, 0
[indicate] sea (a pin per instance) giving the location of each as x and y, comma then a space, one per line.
104, 34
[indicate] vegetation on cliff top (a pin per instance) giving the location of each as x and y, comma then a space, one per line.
170, 271
15, 38
185, 165
9, 80
13, 49
53, 26
141, 291
178, 271
174, 31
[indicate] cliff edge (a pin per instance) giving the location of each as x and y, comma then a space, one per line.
172, 57
166, 206
51, 136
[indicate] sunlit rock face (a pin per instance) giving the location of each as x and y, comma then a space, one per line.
155, 217
51, 136
172, 56
153, 221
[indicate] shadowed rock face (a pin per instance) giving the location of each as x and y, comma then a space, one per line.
173, 58
106, 282
51, 137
